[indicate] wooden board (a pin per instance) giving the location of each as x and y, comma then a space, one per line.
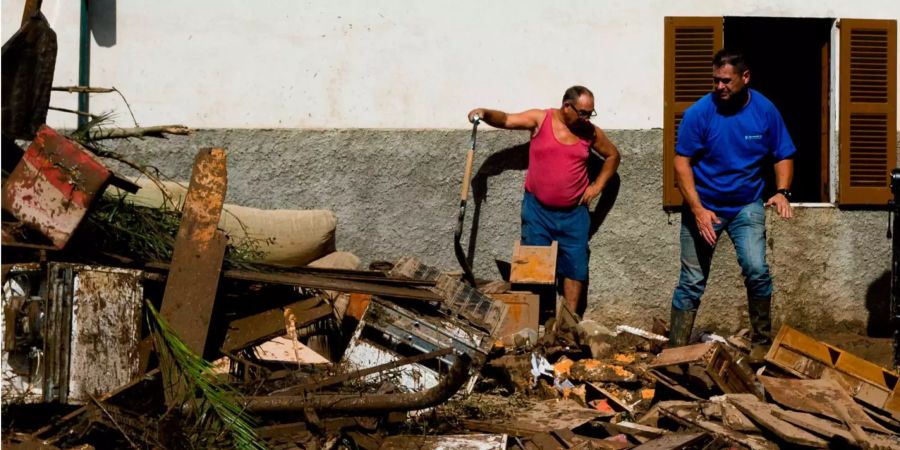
543, 417
683, 355
829, 429
688, 413
533, 264
672, 441
199, 250
442, 442
760, 412
815, 396
266, 325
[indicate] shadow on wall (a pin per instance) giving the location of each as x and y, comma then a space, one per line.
103, 22
878, 302
511, 158
516, 158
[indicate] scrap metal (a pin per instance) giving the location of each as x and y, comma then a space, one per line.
363, 404
53, 185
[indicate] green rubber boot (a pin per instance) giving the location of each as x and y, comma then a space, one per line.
680, 327
761, 324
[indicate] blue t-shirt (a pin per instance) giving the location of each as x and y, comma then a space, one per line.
728, 152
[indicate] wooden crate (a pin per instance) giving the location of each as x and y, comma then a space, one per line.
524, 311
533, 264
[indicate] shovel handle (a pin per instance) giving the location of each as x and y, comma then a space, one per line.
470, 157
467, 175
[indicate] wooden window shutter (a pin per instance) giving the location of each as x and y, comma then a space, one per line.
868, 110
690, 44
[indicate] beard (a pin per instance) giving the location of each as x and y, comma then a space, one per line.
734, 103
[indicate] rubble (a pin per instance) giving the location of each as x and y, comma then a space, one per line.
403, 355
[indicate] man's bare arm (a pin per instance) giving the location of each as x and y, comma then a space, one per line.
705, 218
612, 158
527, 120
784, 175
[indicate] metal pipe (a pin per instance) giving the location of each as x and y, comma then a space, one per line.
362, 404
84, 63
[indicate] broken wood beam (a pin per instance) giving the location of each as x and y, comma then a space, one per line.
199, 250
673, 441
251, 330
334, 284
760, 412
154, 131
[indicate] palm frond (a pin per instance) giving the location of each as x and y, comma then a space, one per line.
214, 404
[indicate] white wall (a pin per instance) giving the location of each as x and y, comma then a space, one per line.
386, 64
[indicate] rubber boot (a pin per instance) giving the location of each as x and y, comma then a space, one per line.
761, 324
680, 327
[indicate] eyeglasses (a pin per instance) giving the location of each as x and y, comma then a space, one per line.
583, 114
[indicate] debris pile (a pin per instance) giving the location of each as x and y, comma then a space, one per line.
187, 323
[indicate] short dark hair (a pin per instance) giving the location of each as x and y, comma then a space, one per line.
574, 92
734, 58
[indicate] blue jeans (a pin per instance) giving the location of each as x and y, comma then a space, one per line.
568, 227
748, 232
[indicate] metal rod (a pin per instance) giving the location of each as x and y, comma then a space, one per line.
84, 62
363, 404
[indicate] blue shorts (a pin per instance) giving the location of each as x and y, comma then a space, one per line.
568, 227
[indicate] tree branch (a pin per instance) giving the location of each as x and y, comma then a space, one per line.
122, 133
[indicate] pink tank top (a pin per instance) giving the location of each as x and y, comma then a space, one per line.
557, 172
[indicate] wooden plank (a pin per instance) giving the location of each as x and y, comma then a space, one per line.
323, 281
642, 433
689, 414
464, 441
760, 412
266, 325
734, 419
683, 355
543, 417
199, 250
618, 405
818, 425
828, 429
815, 396
674, 441
673, 385
533, 264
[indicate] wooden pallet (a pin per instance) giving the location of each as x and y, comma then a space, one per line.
806, 357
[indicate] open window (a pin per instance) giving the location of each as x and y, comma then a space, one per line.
791, 63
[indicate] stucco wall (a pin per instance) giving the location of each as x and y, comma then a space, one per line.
385, 64
396, 192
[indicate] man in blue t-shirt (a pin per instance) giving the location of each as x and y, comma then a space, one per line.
724, 141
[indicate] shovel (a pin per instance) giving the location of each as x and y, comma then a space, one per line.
464, 195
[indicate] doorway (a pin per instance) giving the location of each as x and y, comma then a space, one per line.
790, 63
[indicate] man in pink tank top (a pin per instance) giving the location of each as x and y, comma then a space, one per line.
557, 189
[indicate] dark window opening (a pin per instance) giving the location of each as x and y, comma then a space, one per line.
789, 61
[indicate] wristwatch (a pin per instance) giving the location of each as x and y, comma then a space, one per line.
785, 192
